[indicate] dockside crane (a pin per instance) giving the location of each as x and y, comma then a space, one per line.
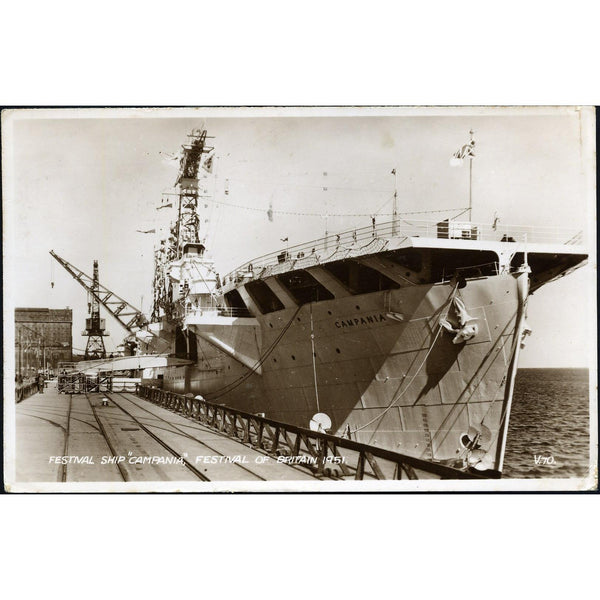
94, 325
130, 318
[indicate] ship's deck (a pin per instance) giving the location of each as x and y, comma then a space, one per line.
398, 234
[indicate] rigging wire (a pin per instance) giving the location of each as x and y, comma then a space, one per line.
323, 215
384, 204
284, 183
465, 404
494, 439
397, 398
234, 384
515, 345
312, 343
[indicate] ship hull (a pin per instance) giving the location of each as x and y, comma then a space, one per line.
379, 365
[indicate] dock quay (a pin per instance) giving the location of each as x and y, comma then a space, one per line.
118, 437
158, 436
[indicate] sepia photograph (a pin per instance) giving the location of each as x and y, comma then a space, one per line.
289, 299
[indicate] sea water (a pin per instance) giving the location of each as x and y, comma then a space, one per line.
548, 431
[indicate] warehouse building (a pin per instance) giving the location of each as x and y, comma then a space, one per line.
43, 338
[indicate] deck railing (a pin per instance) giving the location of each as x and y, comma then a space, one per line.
366, 240
220, 311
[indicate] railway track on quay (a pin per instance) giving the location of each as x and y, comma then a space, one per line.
114, 437
136, 414
156, 436
169, 448
102, 430
197, 430
167, 426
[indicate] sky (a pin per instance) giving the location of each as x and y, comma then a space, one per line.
83, 182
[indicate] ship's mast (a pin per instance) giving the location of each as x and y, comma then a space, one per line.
458, 158
186, 229
187, 219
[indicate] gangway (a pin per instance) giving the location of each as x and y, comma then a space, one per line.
99, 375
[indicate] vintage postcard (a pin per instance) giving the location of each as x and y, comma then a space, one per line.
299, 299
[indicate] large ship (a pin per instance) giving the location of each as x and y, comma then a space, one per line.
402, 335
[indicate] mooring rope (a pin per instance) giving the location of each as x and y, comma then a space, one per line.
312, 342
395, 400
231, 386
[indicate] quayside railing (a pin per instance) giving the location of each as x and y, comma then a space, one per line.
326, 455
25, 390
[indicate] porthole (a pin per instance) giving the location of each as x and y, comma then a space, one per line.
298, 318
357, 307
338, 350
293, 357
271, 325
329, 312
274, 360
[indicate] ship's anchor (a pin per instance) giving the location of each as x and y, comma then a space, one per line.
472, 441
467, 326
525, 331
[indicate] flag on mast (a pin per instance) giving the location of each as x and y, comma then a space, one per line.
465, 151
207, 164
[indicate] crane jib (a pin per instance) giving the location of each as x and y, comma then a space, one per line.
116, 306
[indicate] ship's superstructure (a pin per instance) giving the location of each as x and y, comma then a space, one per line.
401, 335
183, 277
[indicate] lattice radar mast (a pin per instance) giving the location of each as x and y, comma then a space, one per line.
186, 229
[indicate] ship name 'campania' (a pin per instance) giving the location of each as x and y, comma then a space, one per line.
356, 321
